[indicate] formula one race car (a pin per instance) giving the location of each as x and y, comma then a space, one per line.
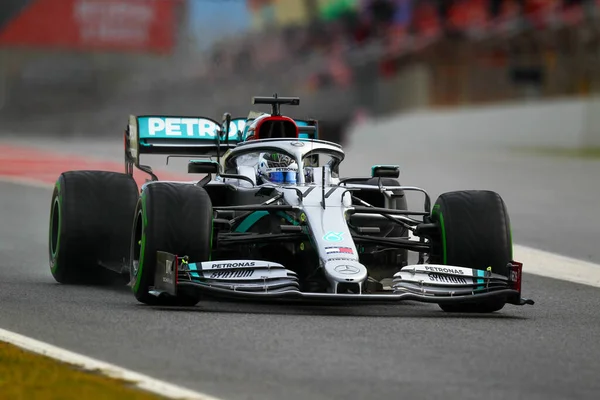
273, 219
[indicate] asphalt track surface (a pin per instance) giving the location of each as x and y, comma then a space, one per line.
257, 351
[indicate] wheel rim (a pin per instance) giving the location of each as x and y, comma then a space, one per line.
54, 227
137, 248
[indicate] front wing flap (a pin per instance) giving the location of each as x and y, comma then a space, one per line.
255, 279
230, 275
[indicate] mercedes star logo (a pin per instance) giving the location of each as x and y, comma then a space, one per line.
347, 269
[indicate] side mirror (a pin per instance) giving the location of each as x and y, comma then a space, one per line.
385, 171
203, 167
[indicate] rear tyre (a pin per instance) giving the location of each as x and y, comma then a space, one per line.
90, 224
474, 233
170, 217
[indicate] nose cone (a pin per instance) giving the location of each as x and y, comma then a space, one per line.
345, 271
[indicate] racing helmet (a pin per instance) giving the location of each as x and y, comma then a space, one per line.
277, 168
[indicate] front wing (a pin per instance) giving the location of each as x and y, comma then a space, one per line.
253, 279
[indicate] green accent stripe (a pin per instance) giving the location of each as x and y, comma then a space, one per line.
250, 220
288, 217
436, 211
193, 267
138, 278
481, 274
212, 235
253, 218
511, 242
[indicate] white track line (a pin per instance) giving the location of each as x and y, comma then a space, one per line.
138, 380
550, 265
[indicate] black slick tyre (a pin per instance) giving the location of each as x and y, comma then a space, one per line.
474, 233
90, 225
170, 217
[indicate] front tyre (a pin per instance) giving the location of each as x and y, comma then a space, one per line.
474, 233
170, 217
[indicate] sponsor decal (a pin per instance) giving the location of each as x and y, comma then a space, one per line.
239, 273
243, 264
168, 272
347, 269
191, 128
445, 270
339, 250
282, 169
333, 236
447, 278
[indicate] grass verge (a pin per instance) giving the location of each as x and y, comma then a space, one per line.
28, 376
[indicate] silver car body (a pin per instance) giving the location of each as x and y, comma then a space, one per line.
324, 202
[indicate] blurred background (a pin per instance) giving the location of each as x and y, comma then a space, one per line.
77, 67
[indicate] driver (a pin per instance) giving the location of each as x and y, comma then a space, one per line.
277, 168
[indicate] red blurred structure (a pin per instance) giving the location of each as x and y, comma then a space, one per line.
108, 25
